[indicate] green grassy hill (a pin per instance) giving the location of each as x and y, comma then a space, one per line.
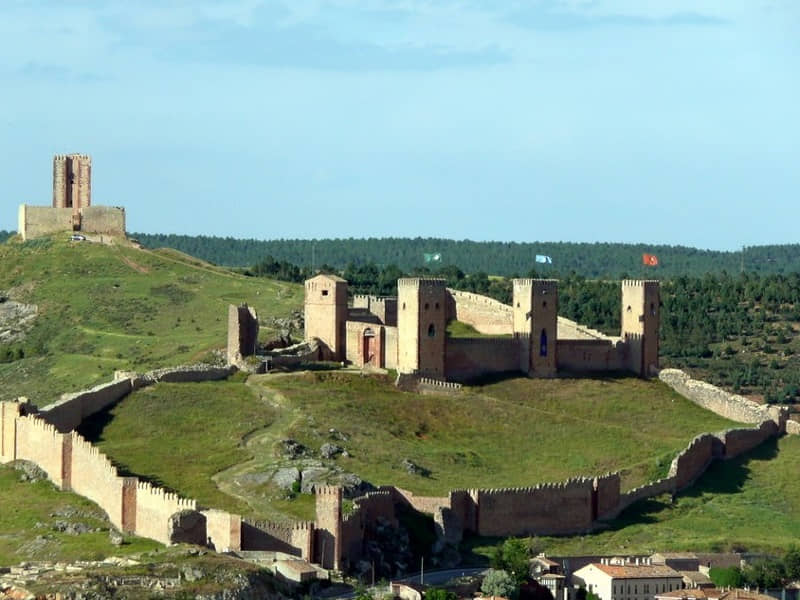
515, 432
750, 503
103, 308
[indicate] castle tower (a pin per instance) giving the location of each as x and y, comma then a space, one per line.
326, 314
641, 318
72, 183
535, 305
328, 527
421, 325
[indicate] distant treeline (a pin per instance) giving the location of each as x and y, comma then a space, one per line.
597, 260
4, 235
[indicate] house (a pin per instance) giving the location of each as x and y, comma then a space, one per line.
621, 579
712, 594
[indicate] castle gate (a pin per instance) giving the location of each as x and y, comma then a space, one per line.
370, 345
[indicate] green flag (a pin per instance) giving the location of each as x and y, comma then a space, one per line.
432, 257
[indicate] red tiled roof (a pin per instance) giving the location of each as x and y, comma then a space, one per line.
637, 571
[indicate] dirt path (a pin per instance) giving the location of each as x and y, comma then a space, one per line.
260, 443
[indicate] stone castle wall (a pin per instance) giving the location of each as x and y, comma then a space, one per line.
731, 406
223, 530
487, 315
154, 507
582, 355
68, 412
692, 462
739, 441
547, 509
291, 538
467, 358
108, 220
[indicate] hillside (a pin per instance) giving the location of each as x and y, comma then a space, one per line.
102, 308
510, 433
594, 260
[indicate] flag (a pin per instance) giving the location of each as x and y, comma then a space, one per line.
541, 258
433, 257
651, 260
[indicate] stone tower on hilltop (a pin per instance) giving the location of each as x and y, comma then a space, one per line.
536, 323
421, 326
72, 183
641, 316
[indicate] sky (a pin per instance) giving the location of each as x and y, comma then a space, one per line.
664, 122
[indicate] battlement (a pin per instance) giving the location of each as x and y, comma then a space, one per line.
640, 282
527, 281
445, 385
420, 282
328, 490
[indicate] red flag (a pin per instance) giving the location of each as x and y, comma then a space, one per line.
651, 260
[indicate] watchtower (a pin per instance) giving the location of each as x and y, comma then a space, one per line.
421, 325
326, 313
641, 317
72, 184
535, 304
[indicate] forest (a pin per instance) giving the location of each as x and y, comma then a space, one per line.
591, 260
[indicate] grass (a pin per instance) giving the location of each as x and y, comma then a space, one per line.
29, 515
178, 435
459, 329
749, 503
103, 308
514, 432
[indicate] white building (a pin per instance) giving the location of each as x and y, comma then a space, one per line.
618, 579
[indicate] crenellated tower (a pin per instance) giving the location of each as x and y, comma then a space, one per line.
327, 548
421, 326
326, 314
641, 317
535, 305
72, 184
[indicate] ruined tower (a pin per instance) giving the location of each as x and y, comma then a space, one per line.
72, 184
421, 324
641, 301
326, 314
535, 305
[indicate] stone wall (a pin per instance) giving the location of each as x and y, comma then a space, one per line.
546, 509
467, 358
242, 332
692, 462
94, 477
37, 221
739, 441
223, 530
40, 442
586, 355
154, 507
291, 538
649, 490
107, 220
793, 427
423, 504
68, 412
357, 527
485, 314
731, 406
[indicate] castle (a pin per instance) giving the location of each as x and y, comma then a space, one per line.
409, 333
72, 208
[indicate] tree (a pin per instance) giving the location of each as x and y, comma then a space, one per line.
513, 557
498, 583
440, 594
791, 563
730, 577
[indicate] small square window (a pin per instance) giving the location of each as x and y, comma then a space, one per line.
324, 292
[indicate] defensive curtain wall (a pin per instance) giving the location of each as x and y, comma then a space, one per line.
335, 540
408, 333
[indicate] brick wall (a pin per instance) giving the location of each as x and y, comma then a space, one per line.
467, 358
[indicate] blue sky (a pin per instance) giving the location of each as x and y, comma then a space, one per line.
671, 122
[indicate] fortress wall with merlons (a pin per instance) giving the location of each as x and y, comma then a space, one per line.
467, 358
486, 315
